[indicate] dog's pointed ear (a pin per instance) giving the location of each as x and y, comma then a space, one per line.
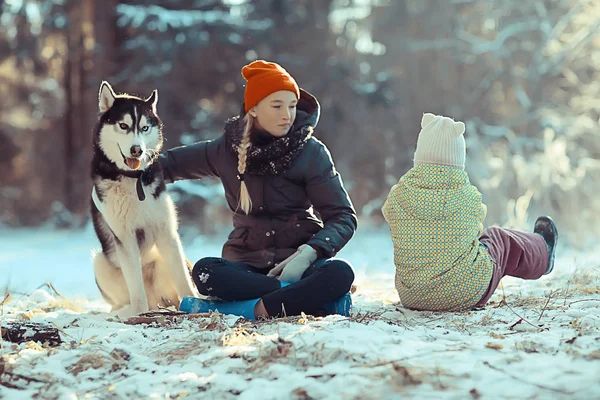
106, 97
153, 99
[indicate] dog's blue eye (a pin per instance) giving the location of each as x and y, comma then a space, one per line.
145, 129
123, 126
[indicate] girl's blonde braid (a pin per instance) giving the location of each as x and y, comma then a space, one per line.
244, 202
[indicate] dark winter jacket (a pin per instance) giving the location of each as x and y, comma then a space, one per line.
283, 206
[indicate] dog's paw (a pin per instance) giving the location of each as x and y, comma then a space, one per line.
128, 311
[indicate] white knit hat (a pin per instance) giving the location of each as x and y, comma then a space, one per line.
441, 142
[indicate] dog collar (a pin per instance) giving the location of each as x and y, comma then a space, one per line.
131, 174
139, 175
140, 189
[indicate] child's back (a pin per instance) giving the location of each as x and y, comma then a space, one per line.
435, 217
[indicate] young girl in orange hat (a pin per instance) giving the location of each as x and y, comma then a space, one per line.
291, 213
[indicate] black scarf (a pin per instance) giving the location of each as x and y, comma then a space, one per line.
269, 155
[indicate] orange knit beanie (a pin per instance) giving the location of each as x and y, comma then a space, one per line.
262, 79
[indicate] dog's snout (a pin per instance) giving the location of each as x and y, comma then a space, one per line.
136, 151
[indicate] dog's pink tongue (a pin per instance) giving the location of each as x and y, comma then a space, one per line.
133, 163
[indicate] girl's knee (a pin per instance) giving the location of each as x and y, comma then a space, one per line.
342, 273
347, 274
202, 270
206, 264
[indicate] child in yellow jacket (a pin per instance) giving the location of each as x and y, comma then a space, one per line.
444, 262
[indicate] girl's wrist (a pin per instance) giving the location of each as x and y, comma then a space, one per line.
317, 250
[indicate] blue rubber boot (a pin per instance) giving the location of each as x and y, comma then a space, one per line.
242, 308
245, 308
341, 306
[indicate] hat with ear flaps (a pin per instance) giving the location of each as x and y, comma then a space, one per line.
441, 142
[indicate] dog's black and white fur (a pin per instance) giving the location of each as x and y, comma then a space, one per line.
142, 264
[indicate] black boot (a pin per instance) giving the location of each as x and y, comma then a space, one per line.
545, 227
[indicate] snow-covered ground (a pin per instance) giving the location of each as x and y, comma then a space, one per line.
544, 344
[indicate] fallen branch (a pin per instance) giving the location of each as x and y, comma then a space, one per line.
6, 299
329, 375
547, 301
525, 381
26, 378
523, 318
435, 320
382, 363
581, 301
370, 315
10, 385
50, 286
15, 376
19, 332
163, 317
514, 312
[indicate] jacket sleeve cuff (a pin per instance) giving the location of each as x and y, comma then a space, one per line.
318, 250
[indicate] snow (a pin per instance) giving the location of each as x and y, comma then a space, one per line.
382, 351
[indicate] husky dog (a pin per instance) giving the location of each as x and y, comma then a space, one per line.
141, 265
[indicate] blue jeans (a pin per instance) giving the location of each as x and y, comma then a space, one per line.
323, 282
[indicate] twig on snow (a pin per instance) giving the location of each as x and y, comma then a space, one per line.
546, 305
382, 363
514, 312
581, 301
525, 381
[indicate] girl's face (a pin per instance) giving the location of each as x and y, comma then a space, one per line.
276, 112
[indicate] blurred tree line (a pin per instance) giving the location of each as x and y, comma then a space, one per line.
522, 75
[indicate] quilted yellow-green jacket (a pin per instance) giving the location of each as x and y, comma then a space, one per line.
435, 217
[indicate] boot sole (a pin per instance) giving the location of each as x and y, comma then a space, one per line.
552, 254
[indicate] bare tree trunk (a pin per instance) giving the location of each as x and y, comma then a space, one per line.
75, 111
91, 50
104, 28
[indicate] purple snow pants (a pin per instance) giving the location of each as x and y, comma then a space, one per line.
514, 253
